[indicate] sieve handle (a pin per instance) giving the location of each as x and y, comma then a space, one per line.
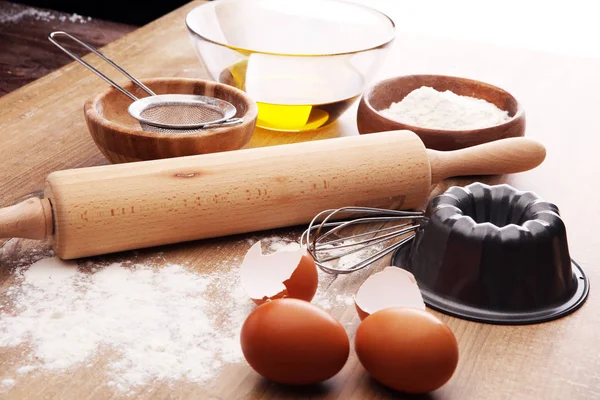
51, 38
228, 122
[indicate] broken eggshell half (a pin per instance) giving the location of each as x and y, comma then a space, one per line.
391, 287
289, 274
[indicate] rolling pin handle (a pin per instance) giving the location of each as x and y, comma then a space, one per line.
30, 219
504, 156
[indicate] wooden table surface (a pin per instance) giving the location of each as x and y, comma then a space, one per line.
26, 53
43, 130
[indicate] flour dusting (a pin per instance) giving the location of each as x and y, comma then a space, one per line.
7, 383
15, 13
155, 323
149, 322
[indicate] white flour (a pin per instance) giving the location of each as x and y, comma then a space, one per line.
7, 383
155, 323
276, 243
14, 13
427, 108
152, 322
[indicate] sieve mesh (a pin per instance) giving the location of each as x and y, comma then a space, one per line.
158, 129
181, 114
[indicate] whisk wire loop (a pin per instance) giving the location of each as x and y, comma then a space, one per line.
324, 236
368, 243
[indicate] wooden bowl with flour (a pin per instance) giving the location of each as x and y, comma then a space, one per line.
373, 117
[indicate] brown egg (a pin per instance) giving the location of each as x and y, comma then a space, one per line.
293, 342
282, 274
407, 349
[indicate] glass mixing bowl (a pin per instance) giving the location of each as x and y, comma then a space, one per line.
304, 61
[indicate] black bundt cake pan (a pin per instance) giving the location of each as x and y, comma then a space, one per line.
495, 254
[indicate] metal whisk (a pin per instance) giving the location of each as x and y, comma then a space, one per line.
165, 113
329, 240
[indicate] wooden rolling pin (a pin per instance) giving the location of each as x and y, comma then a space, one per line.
111, 208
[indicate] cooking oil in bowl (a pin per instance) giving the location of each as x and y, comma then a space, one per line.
300, 117
298, 93
303, 61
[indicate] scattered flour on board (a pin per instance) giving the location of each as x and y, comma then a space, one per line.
155, 323
26, 369
276, 243
152, 322
7, 383
13, 13
18, 14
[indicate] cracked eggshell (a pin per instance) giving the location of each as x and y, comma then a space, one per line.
392, 287
290, 274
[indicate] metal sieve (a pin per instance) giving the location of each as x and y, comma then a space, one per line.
165, 113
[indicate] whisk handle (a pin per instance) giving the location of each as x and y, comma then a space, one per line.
30, 219
505, 156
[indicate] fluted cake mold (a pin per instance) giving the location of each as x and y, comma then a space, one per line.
495, 254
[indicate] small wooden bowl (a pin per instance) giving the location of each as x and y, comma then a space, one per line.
121, 139
383, 94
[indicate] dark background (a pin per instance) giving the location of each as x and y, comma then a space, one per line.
127, 12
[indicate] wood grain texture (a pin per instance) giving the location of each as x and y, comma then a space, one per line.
237, 192
121, 139
26, 54
504, 156
31, 219
211, 195
43, 130
381, 96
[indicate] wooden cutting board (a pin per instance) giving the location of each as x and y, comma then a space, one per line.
42, 129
